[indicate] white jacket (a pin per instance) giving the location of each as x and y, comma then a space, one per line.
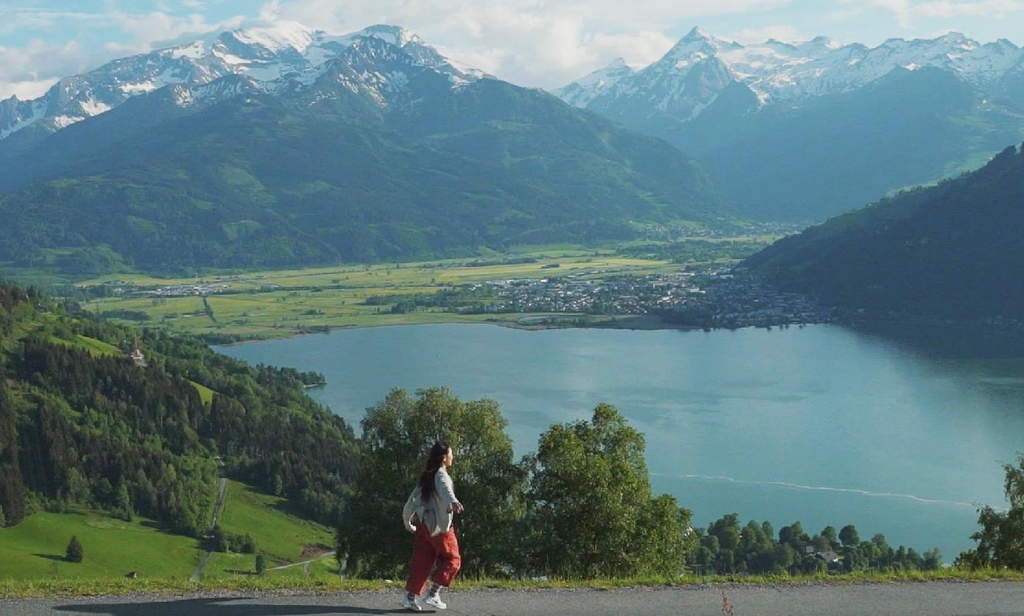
436, 514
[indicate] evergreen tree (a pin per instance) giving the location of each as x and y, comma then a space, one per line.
12, 487
74, 552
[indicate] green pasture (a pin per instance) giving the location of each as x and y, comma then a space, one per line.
35, 548
205, 393
281, 303
280, 536
97, 347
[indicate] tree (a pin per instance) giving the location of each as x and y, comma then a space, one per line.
794, 535
848, 536
12, 487
74, 551
397, 434
1001, 538
932, 560
829, 533
590, 504
123, 502
260, 564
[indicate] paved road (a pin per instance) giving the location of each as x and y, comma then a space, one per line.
939, 598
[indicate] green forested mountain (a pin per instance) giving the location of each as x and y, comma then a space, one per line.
806, 131
952, 250
331, 172
83, 423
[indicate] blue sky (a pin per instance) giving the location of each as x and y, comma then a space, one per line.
543, 43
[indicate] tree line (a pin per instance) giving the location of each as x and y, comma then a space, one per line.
581, 506
727, 548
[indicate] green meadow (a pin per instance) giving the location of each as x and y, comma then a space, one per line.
283, 538
271, 304
34, 550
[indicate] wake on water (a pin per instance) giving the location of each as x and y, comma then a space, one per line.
797, 486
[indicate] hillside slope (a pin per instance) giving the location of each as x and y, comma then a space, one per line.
83, 423
952, 250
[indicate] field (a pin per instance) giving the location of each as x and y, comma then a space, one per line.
282, 303
34, 550
281, 537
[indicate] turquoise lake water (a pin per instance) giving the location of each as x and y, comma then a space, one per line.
821, 424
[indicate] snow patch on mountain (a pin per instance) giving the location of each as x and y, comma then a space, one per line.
582, 91
282, 36
273, 58
37, 110
779, 71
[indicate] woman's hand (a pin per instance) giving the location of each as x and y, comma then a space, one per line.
458, 507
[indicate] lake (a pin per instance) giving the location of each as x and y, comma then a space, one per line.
823, 424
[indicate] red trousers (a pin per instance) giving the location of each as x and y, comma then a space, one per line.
439, 554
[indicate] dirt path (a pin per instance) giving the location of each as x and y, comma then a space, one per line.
221, 491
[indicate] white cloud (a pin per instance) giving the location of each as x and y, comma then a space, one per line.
909, 13
530, 42
27, 71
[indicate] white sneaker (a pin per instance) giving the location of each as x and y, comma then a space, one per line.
411, 604
435, 600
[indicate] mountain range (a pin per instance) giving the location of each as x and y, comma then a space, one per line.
266, 58
809, 130
287, 147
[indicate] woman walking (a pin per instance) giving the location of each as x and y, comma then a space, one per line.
428, 512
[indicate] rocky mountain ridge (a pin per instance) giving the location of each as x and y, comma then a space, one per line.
284, 56
777, 71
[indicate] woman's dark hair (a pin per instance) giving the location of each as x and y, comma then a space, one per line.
434, 462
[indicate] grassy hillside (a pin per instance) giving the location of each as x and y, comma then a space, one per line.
281, 536
35, 548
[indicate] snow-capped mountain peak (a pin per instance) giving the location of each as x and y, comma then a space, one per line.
586, 89
278, 37
395, 35
696, 34
780, 71
697, 45
267, 56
